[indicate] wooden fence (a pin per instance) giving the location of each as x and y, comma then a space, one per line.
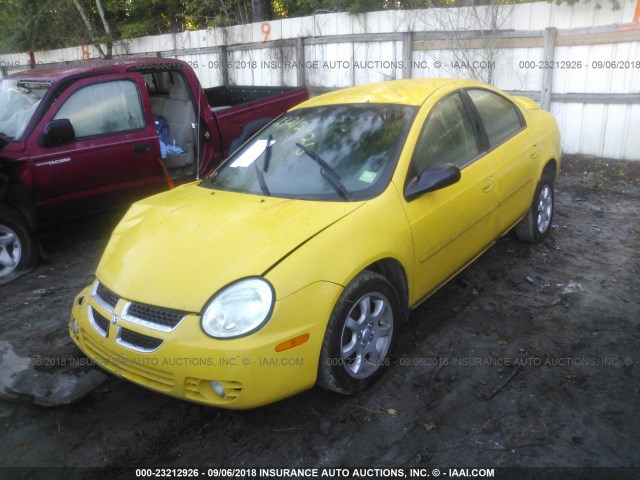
581, 64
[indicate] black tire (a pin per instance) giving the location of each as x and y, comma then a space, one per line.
354, 354
535, 226
18, 249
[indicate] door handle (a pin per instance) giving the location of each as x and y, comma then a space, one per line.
142, 148
487, 184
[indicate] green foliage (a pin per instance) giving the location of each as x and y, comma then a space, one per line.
37, 25
297, 8
614, 4
48, 24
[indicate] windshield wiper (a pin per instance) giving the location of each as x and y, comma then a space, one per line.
263, 184
267, 155
327, 172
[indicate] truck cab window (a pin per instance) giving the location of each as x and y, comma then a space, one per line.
103, 109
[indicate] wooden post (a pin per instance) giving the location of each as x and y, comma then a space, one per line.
302, 74
407, 54
547, 74
222, 60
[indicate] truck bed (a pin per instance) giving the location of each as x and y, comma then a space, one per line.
226, 96
240, 110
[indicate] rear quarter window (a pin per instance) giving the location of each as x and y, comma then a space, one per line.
500, 117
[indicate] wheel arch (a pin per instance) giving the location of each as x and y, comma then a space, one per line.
393, 271
551, 166
18, 197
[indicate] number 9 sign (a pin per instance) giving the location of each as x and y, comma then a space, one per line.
266, 30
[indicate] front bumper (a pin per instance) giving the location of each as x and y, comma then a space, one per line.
185, 363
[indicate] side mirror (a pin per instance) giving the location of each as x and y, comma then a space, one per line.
57, 132
434, 178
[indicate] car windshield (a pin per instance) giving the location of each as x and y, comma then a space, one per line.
334, 152
19, 100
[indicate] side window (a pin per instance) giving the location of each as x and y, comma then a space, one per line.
447, 136
498, 115
104, 108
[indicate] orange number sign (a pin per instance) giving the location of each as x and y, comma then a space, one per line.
266, 29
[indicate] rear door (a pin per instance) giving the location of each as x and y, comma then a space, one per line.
114, 157
453, 225
511, 146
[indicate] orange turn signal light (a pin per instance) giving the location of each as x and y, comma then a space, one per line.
294, 342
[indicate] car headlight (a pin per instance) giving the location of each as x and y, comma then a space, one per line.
238, 309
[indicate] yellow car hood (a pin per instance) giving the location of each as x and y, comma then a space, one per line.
179, 248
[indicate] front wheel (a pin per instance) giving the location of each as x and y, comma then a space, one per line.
535, 226
360, 335
18, 252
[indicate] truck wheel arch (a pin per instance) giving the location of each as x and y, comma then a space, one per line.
19, 198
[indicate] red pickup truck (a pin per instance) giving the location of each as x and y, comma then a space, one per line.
89, 136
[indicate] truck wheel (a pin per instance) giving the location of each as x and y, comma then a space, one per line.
535, 226
360, 335
18, 252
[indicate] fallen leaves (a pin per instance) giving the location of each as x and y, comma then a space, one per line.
429, 426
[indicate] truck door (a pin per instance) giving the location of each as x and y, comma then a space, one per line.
112, 157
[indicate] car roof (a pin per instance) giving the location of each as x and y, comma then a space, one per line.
403, 92
60, 71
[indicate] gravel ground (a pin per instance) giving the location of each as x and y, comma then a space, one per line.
528, 358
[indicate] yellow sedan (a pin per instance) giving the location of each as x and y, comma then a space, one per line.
295, 262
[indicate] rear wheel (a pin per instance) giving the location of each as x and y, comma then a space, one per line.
535, 226
18, 251
360, 335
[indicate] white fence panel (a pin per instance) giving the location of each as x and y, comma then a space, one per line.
600, 126
621, 130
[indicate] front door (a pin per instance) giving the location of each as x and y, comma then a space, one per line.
453, 225
114, 157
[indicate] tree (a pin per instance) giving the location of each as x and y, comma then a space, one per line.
37, 25
92, 31
46, 24
261, 10
478, 56
49, 24
615, 4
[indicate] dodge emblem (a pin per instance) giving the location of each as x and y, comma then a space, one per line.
114, 319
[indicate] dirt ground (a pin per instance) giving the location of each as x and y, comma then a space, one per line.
530, 357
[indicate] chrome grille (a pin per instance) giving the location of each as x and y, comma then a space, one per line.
138, 341
100, 323
107, 297
156, 316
